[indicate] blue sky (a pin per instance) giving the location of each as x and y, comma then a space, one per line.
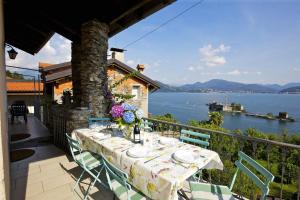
245, 41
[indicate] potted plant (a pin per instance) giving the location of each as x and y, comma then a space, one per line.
126, 116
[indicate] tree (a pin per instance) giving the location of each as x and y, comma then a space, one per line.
14, 75
216, 118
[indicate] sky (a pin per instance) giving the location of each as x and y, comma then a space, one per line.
247, 41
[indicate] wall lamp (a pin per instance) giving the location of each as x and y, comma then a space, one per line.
12, 53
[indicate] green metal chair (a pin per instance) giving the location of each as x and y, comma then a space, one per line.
99, 121
147, 126
211, 191
118, 183
199, 139
90, 162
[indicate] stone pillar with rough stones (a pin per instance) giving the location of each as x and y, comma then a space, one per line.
94, 45
76, 72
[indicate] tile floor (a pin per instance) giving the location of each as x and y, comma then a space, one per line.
50, 175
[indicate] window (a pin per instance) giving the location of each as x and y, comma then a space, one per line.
136, 92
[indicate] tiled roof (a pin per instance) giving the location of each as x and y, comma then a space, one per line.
23, 86
67, 72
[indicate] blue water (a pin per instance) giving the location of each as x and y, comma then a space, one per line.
185, 106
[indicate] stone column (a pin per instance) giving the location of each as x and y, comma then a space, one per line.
76, 72
94, 45
4, 148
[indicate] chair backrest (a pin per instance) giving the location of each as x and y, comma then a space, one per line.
113, 172
195, 137
99, 121
74, 147
18, 109
262, 184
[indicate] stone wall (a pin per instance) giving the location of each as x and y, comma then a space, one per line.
94, 45
126, 87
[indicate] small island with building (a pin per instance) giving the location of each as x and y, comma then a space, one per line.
233, 107
238, 108
282, 116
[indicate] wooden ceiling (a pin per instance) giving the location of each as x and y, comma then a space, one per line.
29, 24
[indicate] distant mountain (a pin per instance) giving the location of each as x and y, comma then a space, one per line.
291, 90
225, 86
282, 87
167, 88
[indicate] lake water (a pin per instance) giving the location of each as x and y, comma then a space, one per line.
185, 106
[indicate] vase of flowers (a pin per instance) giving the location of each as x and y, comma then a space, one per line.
126, 116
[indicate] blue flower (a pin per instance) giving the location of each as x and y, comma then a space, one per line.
139, 114
128, 117
127, 106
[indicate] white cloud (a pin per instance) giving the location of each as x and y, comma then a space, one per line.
56, 50
191, 68
130, 62
258, 73
296, 69
234, 72
211, 56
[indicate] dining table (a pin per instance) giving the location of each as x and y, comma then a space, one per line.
152, 166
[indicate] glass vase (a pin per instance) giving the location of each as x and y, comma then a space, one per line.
127, 131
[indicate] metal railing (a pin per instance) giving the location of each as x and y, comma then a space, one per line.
283, 158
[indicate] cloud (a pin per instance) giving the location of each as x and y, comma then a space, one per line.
191, 68
296, 69
234, 72
258, 73
130, 62
56, 50
211, 56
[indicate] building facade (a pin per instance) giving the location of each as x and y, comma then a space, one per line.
58, 78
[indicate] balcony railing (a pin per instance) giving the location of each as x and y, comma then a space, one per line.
282, 159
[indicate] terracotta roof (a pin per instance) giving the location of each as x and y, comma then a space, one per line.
67, 72
22, 86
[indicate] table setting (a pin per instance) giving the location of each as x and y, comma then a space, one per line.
156, 165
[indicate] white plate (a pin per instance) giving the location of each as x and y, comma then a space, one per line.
167, 141
186, 156
100, 136
138, 152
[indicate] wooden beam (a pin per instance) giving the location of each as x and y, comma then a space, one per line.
129, 11
60, 27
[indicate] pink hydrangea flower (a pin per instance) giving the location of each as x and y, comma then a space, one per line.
117, 111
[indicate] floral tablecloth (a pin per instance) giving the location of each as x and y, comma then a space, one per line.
158, 176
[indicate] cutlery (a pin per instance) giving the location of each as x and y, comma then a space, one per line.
152, 159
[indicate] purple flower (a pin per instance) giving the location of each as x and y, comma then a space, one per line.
128, 117
117, 111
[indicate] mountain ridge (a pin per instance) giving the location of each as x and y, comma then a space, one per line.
220, 85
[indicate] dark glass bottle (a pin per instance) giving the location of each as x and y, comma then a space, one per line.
136, 134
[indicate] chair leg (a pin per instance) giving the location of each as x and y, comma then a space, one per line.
78, 180
91, 185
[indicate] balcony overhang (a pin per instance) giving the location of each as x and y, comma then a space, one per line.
30, 24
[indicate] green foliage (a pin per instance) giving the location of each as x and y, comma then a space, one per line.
120, 97
216, 118
166, 117
227, 147
14, 75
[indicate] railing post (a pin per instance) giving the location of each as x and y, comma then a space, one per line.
254, 147
268, 156
284, 151
298, 195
